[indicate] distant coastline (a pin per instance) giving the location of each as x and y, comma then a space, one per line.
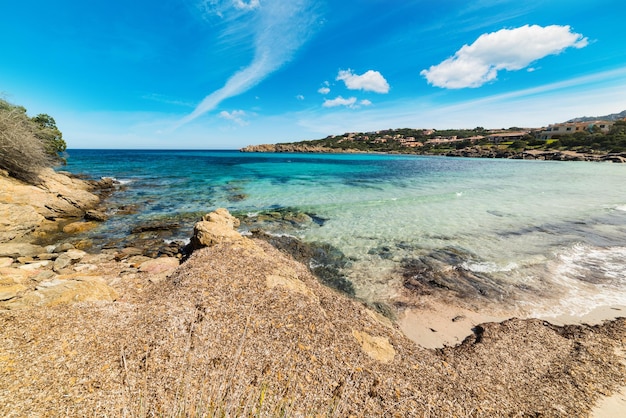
471, 152
599, 140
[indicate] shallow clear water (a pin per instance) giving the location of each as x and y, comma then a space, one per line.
550, 236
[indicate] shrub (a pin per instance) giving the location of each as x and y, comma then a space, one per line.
22, 154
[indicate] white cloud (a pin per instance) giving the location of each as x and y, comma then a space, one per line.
235, 116
365, 102
369, 81
242, 5
300, 97
279, 30
507, 49
323, 90
340, 101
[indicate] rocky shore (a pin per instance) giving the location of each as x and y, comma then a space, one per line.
471, 152
241, 328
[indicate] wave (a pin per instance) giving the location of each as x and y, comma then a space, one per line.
585, 277
487, 267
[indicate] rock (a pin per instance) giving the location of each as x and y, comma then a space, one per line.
15, 275
128, 252
377, 348
63, 247
137, 260
159, 268
15, 250
36, 265
215, 227
47, 256
81, 268
64, 261
5, 262
78, 227
17, 221
9, 290
95, 215
68, 258
62, 290
97, 258
155, 226
24, 207
75, 255
160, 265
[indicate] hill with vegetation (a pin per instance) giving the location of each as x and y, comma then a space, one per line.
478, 142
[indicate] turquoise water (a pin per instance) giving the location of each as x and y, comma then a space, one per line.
547, 237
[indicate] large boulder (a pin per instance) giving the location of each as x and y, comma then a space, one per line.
215, 227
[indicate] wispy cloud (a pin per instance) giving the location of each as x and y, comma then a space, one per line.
279, 31
323, 90
507, 49
369, 81
236, 116
242, 5
339, 101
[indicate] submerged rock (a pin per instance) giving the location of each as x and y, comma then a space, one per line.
325, 261
442, 271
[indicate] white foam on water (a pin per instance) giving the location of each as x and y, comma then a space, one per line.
488, 267
588, 277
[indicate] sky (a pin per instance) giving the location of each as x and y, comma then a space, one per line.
223, 74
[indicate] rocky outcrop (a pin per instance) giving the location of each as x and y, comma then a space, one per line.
470, 152
27, 210
215, 227
296, 147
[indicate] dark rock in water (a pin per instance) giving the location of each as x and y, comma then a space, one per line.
442, 271
155, 226
237, 197
96, 215
317, 219
324, 260
283, 220
383, 252
126, 209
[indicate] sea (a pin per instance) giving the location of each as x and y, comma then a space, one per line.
540, 237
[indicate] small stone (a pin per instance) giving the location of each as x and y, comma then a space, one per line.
75, 255
63, 247
47, 256
96, 215
62, 262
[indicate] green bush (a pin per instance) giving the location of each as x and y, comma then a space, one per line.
22, 153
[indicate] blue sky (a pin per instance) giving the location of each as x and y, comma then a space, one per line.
209, 74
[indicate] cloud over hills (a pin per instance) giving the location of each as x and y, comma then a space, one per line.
507, 49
